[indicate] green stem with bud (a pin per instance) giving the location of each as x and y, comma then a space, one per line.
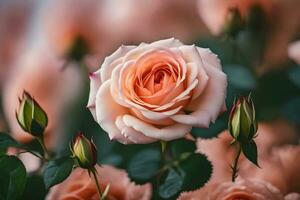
235, 164
97, 184
42, 143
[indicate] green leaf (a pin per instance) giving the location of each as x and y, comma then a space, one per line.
172, 184
198, 170
57, 171
7, 141
35, 188
12, 178
144, 164
239, 76
250, 151
178, 147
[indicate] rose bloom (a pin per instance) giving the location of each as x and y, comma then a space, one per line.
141, 93
39, 73
83, 28
214, 13
294, 51
242, 189
80, 186
279, 161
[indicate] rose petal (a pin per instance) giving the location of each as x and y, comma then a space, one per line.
210, 103
107, 111
132, 134
166, 133
209, 57
167, 43
95, 82
107, 67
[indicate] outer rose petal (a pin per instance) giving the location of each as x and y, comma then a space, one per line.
95, 83
79, 186
211, 102
294, 51
107, 67
167, 133
132, 134
107, 111
167, 43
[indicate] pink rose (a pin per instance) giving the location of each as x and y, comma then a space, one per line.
141, 93
294, 51
242, 189
215, 12
79, 186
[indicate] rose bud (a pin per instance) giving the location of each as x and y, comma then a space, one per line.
31, 116
242, 123
85, 152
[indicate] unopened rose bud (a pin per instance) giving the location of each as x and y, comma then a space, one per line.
234, 23
31, 116
242, 123
84, 151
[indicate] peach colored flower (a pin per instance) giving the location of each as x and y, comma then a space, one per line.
141, 93
215, 12
79, 186
279, 162
157, 19
243, 189
14, 19
61, 28
294, 51
39, 73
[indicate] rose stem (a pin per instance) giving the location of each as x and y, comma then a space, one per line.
235, 164
42, 142
97, 183
163, 149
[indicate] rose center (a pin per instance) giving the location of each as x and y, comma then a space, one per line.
158, 76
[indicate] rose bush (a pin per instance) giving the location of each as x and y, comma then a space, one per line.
79, 186
157, 91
